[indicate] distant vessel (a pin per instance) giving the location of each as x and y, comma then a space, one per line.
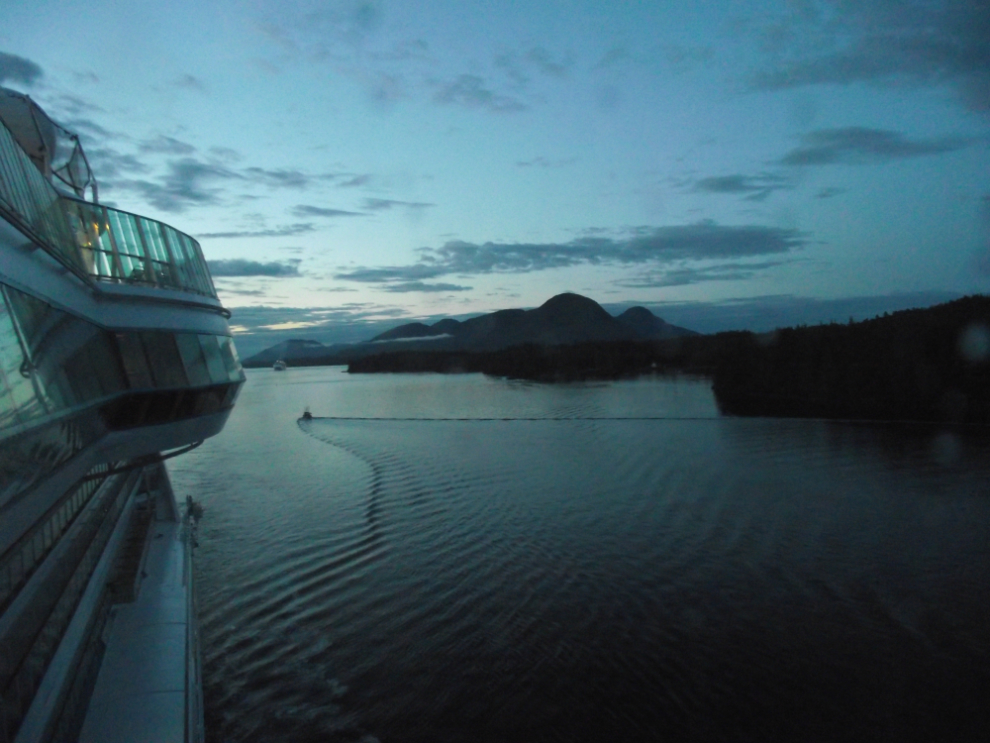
280, 365
115, 354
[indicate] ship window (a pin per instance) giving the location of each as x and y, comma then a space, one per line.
34, 317
62, 392
214, 361
103, 356
193, 359
9, 354
210, 400
153, 240
79, 369
135, 362
230, 360
160, 408
166, 363
92, 370
230, 396
7, 415
18, 393
50, 335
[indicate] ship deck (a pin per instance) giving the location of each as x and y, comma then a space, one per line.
142, 688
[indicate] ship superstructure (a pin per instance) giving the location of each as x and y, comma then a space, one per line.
115, 353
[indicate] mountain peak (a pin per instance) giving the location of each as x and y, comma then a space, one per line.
637, 313
648, 325
570, 300
570, 307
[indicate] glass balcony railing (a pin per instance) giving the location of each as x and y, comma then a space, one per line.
118, 246
97, 242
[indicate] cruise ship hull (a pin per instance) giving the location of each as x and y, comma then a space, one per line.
115, 355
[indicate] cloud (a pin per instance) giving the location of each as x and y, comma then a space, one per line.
242, 292
828, 192
227, 154
510, 66
86, 77
166, 145
857, 145
685, 59
541, 59
392, 274
471, 91
753, 188
892, 42
656, 245
87, 129
278, 178
379, 205
537, 59
286, 231
405, 51
191, 181
389, 67
542, 162
110, 164
684, 276
422, 286
243, 267
189, 82
66, 108
356, 181
184, 185
612, 57
305, 210
19, 70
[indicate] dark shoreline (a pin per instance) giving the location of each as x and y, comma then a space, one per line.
927, 365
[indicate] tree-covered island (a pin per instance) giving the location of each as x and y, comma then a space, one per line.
928, 364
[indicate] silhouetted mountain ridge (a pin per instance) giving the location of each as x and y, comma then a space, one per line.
562, 320
565, 319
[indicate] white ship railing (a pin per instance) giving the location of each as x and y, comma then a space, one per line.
96, 242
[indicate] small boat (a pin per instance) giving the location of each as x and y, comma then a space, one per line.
280, 365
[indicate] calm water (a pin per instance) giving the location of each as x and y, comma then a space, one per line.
583, 562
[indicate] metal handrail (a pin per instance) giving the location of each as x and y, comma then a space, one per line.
97, 242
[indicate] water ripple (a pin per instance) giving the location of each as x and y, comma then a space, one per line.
585, 571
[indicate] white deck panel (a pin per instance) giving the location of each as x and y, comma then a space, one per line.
140, 693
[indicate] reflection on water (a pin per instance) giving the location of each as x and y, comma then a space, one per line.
696, 578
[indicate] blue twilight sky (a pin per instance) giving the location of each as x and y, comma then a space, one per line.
352, 162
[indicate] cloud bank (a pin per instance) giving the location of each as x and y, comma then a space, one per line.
890, 42
750, 187
472, 91
188, 179
306, 210
686, 275
662, 246
242, 267
422, 286
859, 145
286, 231
379, 205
